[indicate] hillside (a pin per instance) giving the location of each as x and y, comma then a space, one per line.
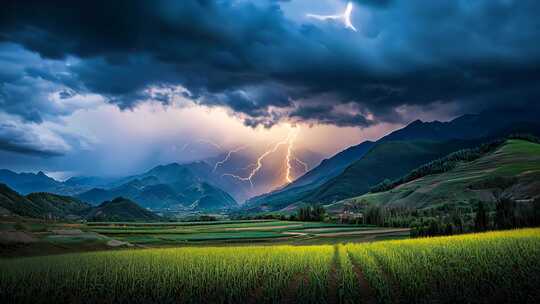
207, 197
51, 206
25, 183
58, 206
178, 194
12, 202
41, 205
28, 182
513, 171
327, 169
386, 160
120, 209
468, 127
471, 128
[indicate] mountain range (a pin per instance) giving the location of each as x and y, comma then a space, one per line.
202, 186
173, 186
512, 170
51, 206
394, 155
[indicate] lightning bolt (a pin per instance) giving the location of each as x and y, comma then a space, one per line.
259, 163
205, 141
306, 167
289, 157
202, 141
226, 159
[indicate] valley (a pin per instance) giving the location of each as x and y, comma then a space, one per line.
270, 151
352, 229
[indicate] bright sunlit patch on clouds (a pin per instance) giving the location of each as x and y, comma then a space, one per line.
152, 133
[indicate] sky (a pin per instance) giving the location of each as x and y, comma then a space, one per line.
116, 87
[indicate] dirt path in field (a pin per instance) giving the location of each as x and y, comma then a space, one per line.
364, 232
366, 293
333, 279
256, 296
262, 228
290, 295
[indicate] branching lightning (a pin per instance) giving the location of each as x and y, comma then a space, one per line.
201, 141
226, 159
258, 164
205, 141
306, 167
289, 158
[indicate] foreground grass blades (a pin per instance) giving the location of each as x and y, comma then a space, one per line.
497, 266
501, 266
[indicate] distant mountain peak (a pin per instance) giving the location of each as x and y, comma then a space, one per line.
416, 122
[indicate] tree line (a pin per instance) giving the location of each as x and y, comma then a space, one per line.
440, 165
479, 216
449, 162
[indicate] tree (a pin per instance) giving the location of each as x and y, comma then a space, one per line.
505, 217
375, 216
481, 218
312, 213
536, 212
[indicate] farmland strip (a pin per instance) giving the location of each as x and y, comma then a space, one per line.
372, 271
366, 293
333, 286
395, 291
291, 293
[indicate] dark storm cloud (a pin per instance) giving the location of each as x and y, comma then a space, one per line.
374, 3
246, 55
328, 114
23, 139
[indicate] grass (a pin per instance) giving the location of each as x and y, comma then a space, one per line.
502, 266
189, 275
385, 160
55, 237
224, 231
517, 160
476, 268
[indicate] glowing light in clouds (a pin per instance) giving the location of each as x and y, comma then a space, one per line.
289, 158
345, 17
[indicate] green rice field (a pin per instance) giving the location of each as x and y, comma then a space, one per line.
497, 267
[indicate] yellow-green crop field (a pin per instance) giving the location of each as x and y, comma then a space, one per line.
476, 268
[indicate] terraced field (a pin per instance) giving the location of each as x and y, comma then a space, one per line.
477, 268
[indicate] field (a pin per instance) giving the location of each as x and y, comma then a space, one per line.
46, 238
501, 266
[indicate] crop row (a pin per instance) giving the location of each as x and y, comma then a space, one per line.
501, 267
498, 266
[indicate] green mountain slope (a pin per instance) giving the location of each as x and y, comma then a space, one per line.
41, 205
172, 186
46, 205
207, 197
58, 206
120, 209
326, 170
481, 127
14, 203
513, 170
389, 159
